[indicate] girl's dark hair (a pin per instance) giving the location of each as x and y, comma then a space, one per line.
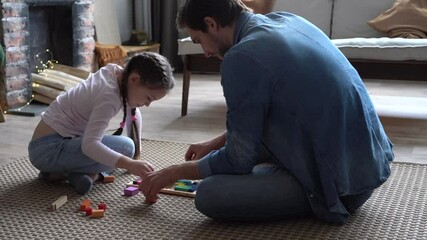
155, 73
192, 13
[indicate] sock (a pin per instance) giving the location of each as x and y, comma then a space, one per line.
52, 177
43, 175
81, 182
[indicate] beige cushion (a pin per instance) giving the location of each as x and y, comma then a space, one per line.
406, 18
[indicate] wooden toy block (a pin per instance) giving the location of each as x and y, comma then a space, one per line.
59, 202
186, 185
182, 188
102, 206
85, 204
106, 178
185, 181
131, 191
180, 184
97, 213
89, 211
109, 179
193, 188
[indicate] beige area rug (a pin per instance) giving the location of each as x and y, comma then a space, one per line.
397, 210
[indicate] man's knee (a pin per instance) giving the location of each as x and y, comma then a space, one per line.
207, 199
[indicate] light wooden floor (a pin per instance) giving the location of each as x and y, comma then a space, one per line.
402, 108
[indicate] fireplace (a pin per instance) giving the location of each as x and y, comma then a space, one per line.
30, 27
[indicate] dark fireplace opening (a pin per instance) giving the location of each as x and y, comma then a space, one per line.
51, 29
31, 27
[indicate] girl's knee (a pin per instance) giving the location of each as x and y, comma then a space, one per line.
129, 150
121, 144
128, 147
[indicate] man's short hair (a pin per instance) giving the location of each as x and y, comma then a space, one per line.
193, 12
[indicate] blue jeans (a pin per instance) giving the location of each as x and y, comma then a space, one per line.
54, 153
269, 193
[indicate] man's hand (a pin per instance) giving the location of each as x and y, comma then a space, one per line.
198, 150
155, 181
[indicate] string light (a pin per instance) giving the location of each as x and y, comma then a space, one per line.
28, 103
44, 60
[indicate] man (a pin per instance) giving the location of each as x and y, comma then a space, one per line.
302, 139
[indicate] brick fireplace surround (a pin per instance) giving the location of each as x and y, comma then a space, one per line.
15, 74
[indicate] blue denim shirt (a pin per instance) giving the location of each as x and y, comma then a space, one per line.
292, 94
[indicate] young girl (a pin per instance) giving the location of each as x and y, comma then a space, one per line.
70, 142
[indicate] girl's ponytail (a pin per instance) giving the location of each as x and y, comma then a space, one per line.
134, 135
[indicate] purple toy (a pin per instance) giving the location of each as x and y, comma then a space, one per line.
131, 191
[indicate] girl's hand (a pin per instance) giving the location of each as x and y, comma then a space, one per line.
140, 168
136, 167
